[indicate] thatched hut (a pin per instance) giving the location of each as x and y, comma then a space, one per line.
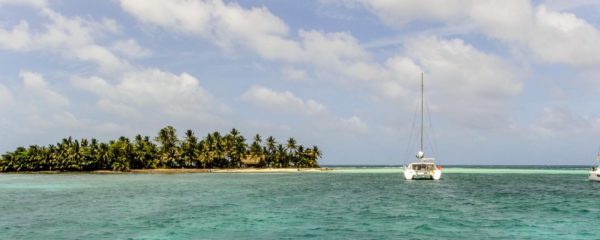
253, 160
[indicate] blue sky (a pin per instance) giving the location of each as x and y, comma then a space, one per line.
508, 82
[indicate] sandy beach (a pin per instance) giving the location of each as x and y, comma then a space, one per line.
231, 170
187, 170
224, 170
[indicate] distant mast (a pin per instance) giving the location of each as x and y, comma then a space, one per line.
422, 93
423, 168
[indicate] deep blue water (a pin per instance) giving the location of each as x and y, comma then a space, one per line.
350, 203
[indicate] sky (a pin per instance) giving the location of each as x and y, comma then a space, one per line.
506, 82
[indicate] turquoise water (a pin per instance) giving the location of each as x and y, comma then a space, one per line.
350, 203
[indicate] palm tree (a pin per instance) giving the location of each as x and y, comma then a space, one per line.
5, 162
88, 153
256, 149
281, 156
315, 155
235, 148
300, 159
122, 151
212, 154
105, 156
52, 157
217, 151
189, 149
270, 149
142, 154
291, 151
169, 154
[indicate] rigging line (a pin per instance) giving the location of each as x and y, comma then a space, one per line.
432, 134
409, 144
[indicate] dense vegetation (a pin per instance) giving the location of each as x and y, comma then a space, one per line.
213, 151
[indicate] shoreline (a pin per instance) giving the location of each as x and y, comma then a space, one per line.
227, 170
184, 170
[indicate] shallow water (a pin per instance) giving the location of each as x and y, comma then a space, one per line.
372, 203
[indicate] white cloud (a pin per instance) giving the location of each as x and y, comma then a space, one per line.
72, 37
100, 55
226, 24
28, 3
118, 108
565, 38
287, 102
469, 86
36, 108
183, 16
293, 74
399, 13
554, 37
559, 5
16, 39
453, 62
37, 85
353, 124
162, 88
556, 121
66, 118
479, 82
131, 48
151, 91
282, 101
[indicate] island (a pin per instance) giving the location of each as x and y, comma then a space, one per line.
166, 153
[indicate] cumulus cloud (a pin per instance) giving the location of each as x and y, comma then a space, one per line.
293, 74
564, 38
227, 24
151, 91
36, 106
282, 101
353, 123
552, 36
478, 81
37, 85
131, 48
28, 3
16, 39
287, 102
467, 85
557, 121
72, 37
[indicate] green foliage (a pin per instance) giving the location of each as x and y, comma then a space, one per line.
213, 151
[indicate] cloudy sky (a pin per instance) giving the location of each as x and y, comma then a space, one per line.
507, 82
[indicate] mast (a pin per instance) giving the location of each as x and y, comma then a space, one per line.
422, 93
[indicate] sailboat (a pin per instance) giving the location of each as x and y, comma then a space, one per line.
423, 167
594, 173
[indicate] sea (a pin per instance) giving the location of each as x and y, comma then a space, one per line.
351, 202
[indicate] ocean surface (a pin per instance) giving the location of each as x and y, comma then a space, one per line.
349, 203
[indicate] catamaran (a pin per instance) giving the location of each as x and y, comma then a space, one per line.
423, 168
594, 173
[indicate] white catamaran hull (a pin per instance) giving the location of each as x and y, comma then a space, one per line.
410, 174
594, 175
